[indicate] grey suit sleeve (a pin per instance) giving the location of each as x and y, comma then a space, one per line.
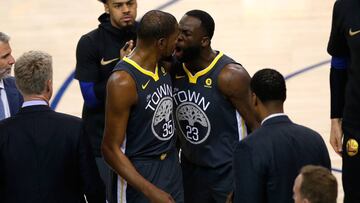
249, 183
93, 187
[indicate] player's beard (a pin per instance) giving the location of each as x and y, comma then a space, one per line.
190, 53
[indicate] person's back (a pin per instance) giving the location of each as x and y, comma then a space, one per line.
267, 162
40, 157
278, 156
44, 155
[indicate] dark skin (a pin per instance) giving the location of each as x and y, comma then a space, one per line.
121, 97
265, 109
234, 83
233, 80
122, 12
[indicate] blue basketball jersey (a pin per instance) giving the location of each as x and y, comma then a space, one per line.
207, 123
151, 125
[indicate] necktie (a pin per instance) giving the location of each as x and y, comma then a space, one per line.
2, 110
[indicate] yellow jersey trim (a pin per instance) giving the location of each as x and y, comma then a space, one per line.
155, 75
122, 190
193, 78
243, 128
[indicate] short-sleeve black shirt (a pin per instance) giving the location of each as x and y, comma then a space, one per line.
97, 53
345, 42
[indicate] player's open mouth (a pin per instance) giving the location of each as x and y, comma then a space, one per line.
178, 51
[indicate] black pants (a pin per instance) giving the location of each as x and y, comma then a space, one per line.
351, 164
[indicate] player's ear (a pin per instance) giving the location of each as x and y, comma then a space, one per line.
254, 99
106, 8
205, 42
161, 43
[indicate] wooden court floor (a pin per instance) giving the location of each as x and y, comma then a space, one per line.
287, 35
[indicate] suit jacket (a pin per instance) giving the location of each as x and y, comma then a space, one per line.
45, 157
267, 162
14, 97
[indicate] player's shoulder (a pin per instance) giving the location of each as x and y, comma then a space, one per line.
89, 40
121, 77
121, 73
93, 34
344, 5
233, 71
229, 63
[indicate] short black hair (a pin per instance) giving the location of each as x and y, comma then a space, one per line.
155, 25
268, 85
103, 1
207, 22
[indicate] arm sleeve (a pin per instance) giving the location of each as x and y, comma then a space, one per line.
338, 80
93, 187
248, 183
338, 49
88, 93
87, 67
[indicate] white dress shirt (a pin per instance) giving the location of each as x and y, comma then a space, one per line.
34, 103
272, 116
4, 99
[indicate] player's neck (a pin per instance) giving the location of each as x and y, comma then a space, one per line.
203, 61
145, 58
272, 107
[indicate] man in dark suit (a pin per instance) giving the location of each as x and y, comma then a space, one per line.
267, 162
44, 155
10, 97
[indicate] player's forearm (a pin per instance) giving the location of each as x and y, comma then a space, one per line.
336, 122
122, 165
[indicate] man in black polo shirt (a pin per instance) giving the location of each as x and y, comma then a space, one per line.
344, 47
97, 53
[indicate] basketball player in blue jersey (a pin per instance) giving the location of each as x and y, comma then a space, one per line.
212, 105
139, 118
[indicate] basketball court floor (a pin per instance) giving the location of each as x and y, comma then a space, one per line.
288, 35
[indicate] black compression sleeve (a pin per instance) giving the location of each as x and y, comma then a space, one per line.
338, 79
